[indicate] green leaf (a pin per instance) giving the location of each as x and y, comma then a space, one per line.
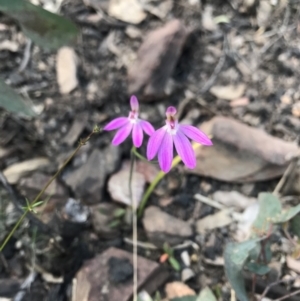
285, 215
185, 298
168, 250
295, 225
269, 206
119, 212
44, 28
13, 102
115, 223
236, 255
206, 295
174, 263
256, 268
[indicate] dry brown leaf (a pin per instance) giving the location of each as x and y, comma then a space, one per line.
178, 289
156, 59
16, 171
240, 102
159, 9
264, 10
233, 199
241, 153
218, 220
229, 92
129, 11
66, 69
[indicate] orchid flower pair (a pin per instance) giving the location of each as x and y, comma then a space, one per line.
161, 141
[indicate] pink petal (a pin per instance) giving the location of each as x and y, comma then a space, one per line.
137, 135
134, 103
147, 127
171, 111
195, 134
165, 153
184, 149
116, 123
122, 134
155, 142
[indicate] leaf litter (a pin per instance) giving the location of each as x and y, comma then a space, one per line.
256, 71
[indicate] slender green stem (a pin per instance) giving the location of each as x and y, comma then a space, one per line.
134, 225
138, 155
159, 177
30, 206
16, 226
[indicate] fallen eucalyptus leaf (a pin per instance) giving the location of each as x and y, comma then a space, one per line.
13, 102
241, 153
44, 28
269, 206
236, 255
206, 295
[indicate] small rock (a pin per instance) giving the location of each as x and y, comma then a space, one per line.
233, 199
76, 212
293, 264
148, 170
240, 102
34, 184
162, 227
264, 11
187, 274
102, 216
178, 289
133, 32
119, 9
296, 109
229, 92
66, 69
185, 258
88, 180
156, 60
118, 187
76, 129
16, 171
94, 279
208, 21
9, 45
213, 221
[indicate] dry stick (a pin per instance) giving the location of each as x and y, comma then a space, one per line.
215, 74
134, 227
28, 209
288, 295
286, 174
275, 283
26, 56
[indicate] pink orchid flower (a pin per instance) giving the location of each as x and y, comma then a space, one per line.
161, 142
131, 123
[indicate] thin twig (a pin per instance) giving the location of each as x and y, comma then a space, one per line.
288, 295
28, 208
207, 201
134, 227
285, 176
26, 56
276, 283
215, 74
